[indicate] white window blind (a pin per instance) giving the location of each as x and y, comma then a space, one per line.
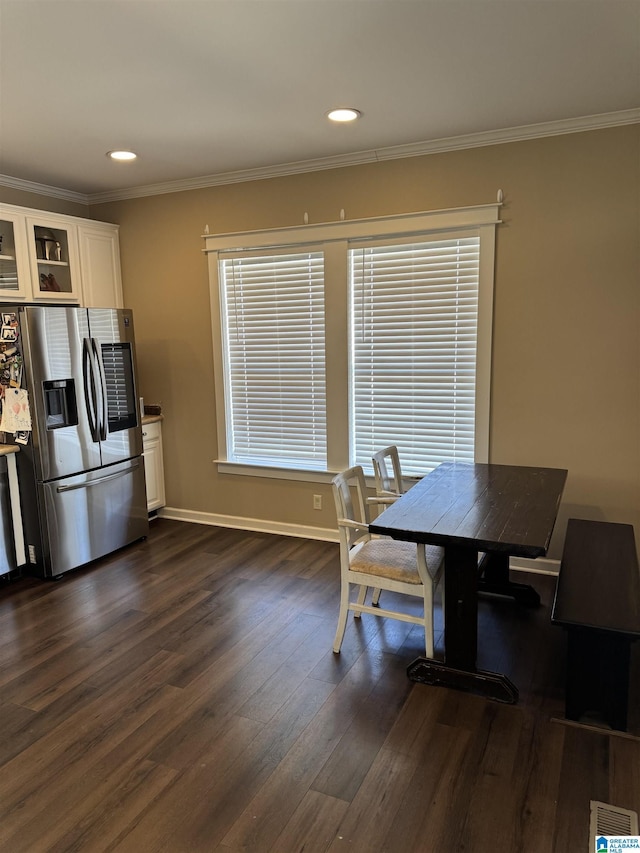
274, 345
414, 318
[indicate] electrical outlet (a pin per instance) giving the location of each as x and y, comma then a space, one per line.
317, 501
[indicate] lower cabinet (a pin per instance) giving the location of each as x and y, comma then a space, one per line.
12, 553
7, 551
153, 464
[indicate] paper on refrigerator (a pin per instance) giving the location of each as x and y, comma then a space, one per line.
16, 415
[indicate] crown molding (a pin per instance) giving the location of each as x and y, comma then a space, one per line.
44, 189
515, 134
396, 152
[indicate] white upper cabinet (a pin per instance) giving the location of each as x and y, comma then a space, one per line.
100, 265
15, 281
46, 257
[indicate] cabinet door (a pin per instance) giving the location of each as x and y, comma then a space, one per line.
53, 254
15, 283
100, 265
153, 465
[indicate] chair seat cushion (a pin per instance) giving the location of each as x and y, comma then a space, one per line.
393, 559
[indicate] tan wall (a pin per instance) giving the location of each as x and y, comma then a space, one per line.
566, 364
23, 198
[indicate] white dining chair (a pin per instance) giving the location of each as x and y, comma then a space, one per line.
367, 562
388, 475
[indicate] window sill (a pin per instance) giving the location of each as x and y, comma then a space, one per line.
294, 474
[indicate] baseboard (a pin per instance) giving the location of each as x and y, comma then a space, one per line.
257, 525
542, 565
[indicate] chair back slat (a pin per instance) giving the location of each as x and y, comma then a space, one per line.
347, 507
387, 471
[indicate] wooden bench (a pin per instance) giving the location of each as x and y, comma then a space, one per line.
597, 601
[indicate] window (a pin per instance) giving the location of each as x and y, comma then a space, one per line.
273, 329
334, 340
414, 314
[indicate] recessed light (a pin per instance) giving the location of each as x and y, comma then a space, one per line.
344, 114
122, 156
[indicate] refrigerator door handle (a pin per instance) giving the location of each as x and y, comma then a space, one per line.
89, 382
102, 399
98, 480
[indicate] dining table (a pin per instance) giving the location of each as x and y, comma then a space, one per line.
481, 514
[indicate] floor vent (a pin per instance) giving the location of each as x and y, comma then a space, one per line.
611, 820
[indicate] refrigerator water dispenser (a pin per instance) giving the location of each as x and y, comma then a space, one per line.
60, 403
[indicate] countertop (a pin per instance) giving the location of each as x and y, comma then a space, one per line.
151, 419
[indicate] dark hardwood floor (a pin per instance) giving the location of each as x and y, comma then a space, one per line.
182, 696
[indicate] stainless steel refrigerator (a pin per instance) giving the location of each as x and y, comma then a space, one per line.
81, 473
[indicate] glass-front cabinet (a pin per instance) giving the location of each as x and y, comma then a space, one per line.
53, 253
14, 261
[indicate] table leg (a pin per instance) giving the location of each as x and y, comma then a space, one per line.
461, 607
494, 578
461, 635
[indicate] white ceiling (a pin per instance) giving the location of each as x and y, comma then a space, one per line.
211, 87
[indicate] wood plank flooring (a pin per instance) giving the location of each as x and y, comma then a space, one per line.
182, 696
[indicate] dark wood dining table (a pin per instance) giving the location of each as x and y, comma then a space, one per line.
498, 511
